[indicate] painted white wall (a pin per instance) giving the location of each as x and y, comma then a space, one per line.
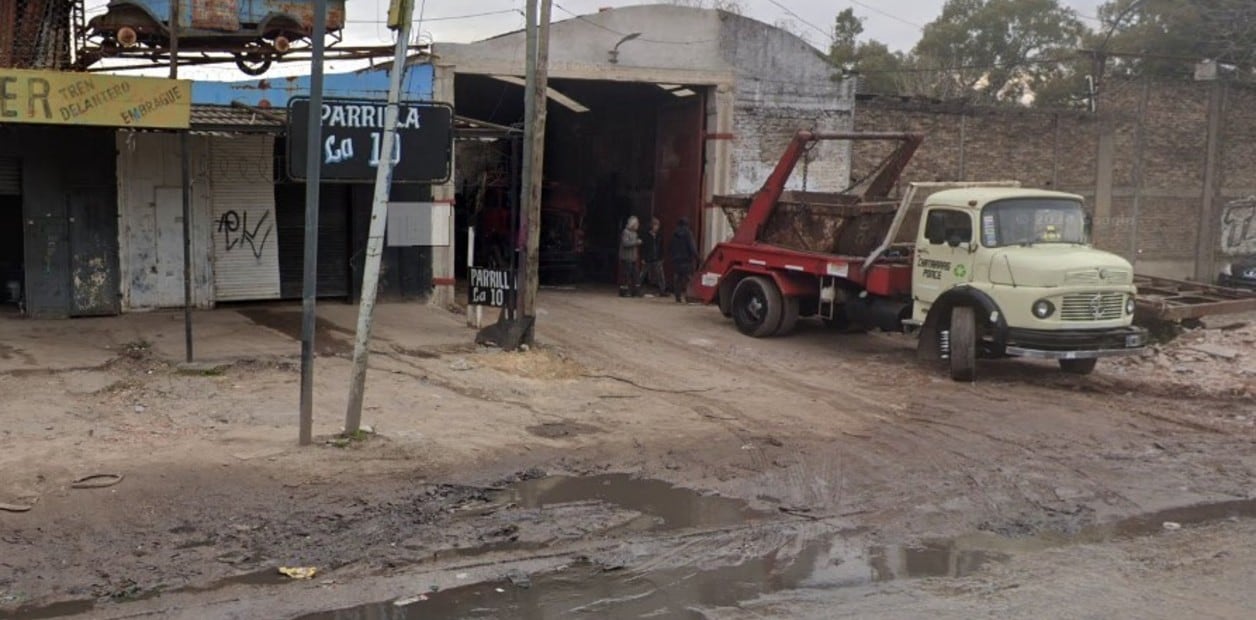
150, 226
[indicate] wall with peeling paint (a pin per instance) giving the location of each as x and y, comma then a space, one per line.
68, 185
150, 225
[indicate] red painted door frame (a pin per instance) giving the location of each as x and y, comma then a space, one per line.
679, 162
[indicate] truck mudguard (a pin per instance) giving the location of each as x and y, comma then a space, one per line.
939, 316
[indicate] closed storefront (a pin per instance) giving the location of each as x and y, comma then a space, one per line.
150, 203
333, 240
245, 235
59, 163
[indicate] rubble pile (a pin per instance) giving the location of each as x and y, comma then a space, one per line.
1218, 359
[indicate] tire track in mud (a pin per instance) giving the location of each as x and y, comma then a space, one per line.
879, 467
900, 431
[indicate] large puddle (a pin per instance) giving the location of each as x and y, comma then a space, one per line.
661, 505
586, 590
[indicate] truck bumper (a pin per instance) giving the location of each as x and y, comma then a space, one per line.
1075, 344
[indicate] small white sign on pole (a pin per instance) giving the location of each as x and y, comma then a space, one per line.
418, 224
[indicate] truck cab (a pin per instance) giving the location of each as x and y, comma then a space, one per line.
1010, 272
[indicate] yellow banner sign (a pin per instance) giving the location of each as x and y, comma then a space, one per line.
63, 98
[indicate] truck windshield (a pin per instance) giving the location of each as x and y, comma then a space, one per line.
1026, 221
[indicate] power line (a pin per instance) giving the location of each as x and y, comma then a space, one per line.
827, 34
440, 19
887, 14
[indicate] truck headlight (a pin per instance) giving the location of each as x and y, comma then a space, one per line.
1043, 308
1129, 305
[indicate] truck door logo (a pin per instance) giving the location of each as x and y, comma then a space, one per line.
960, 271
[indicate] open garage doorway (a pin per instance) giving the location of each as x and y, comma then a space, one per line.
613, 150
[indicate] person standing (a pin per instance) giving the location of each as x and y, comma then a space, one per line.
629, 253
652, 256
684, 254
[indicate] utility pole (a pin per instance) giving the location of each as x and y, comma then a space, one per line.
1209, 224
186, 183
400, 13
313, 176
535, 162
524, 199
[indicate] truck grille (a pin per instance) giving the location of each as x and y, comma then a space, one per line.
1092, 276
1092, 306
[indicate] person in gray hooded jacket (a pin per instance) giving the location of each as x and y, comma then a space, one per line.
629, 254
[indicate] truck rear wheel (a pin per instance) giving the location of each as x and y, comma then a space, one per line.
789, 317
757, 307
1078, 367
963, 344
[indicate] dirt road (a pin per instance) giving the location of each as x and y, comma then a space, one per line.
764, 478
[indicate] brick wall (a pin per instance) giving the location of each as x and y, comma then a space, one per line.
1158, 134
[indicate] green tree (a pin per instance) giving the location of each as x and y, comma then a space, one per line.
1168, 36
998, 50
878, 69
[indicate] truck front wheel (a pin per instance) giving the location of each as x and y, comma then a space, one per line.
963, 341
757, 307
1078, 367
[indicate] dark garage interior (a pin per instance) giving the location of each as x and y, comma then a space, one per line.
613, 149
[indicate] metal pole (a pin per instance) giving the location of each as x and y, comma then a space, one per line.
536, 173
379, 217
525, 175
186, 183
313, 176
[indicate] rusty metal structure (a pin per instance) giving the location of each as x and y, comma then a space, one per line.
254, 34
849, 223
36, 34
1165, 299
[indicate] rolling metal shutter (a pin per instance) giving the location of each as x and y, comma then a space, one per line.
246, 244
10, 176
333, 241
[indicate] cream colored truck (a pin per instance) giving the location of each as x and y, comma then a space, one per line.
983, 270
1006, 271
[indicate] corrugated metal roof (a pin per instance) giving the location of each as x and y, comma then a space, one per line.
221, 120
237, 119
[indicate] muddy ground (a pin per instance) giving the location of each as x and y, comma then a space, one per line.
646, 461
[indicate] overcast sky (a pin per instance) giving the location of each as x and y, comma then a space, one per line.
894, 22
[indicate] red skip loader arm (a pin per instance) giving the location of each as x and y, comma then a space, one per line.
877, 185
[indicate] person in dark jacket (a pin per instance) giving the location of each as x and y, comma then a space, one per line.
684, 254
652, 256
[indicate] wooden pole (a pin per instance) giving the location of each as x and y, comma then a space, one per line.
519, 221
535, 161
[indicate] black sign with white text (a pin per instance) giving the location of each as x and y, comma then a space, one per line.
353, 135
490, 287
